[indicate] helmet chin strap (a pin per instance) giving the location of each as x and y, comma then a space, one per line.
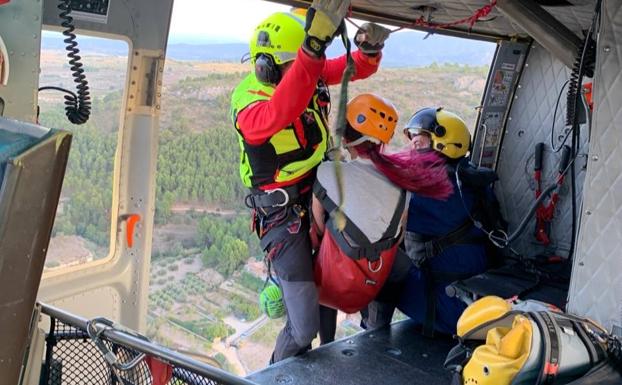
361, 140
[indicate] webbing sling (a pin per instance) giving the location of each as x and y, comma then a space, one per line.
364, 248
459, 236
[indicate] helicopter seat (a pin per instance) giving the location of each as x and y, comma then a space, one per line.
539, 278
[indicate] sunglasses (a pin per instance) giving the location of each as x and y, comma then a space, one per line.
411, 133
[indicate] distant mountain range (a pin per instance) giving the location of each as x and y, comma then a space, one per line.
403, 49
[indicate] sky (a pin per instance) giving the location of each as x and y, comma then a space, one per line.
218, 20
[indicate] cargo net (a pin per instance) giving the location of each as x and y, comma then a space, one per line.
72, 358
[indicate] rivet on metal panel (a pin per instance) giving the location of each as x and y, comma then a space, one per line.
510, 118
526, 64
581, 263
157, 107
521, 133
595, 158
588, 212
607, 48
520, 86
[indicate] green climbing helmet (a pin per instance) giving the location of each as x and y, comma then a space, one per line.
271, 301
280, 36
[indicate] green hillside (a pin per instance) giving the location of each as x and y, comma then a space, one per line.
198, 155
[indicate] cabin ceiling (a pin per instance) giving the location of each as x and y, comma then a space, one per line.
576, 15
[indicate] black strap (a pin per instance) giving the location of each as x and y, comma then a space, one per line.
550, 339
430, 304
461, 235
279, 197
591, 350
364, 248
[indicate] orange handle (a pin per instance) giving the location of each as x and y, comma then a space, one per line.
132, 219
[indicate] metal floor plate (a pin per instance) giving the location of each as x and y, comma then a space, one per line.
398, 354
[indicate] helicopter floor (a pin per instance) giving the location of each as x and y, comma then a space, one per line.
398, 354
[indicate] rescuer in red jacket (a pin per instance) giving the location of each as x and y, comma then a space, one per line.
280, 114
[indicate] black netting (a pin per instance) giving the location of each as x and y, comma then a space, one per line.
73, 359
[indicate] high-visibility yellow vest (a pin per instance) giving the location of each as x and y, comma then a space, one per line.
290, 153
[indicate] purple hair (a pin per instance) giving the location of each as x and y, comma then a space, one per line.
421, 172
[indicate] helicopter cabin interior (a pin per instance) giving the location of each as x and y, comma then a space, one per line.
553, 96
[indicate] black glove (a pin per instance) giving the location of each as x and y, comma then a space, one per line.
324, 18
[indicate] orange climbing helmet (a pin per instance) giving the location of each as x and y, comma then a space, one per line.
373, 117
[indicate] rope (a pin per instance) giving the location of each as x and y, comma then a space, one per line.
470, 20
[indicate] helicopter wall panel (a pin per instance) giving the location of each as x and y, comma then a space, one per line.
20, 28
530, 121
596, 285
144, 22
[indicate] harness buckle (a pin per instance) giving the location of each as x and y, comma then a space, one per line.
285, 194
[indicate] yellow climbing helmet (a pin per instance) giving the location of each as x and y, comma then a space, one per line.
279, 36
447, 130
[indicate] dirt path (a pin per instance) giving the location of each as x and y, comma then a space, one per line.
180, 208
236, 365
243, 329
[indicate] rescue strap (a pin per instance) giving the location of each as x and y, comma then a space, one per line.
278, 197
337, 215
364, 248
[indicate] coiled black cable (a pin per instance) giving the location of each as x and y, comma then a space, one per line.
77, 106
584, 65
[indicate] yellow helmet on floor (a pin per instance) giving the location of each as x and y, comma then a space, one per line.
447, 130
482, 311
279, 36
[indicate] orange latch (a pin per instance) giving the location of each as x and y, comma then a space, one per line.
130, 223
587, 91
